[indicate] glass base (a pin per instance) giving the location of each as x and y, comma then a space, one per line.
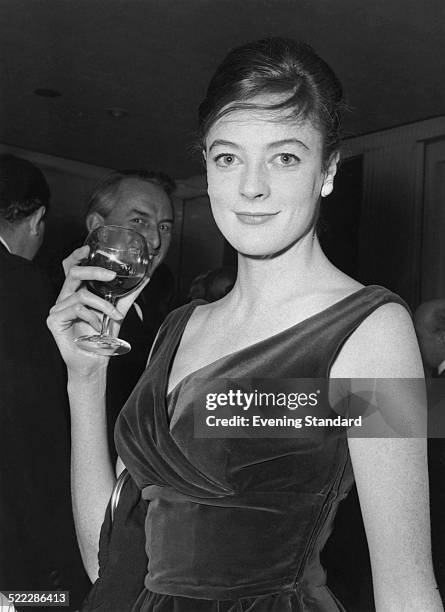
103, 345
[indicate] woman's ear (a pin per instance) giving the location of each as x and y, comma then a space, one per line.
204, 158
328, 183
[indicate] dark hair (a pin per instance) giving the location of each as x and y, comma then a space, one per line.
277, 66
101, 199
23, 188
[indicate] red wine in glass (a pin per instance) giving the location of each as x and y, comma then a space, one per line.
126, 252
128, 276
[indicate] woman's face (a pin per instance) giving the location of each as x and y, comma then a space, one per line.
264, 176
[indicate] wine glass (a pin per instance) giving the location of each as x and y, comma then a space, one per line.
127, 253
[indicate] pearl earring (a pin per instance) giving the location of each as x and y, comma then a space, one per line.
327, 189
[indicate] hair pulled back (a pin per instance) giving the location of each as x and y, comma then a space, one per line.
284, 66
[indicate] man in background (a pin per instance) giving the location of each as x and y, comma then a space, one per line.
139, 200
38, 548
429, 321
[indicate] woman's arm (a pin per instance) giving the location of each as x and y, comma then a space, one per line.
392, 483
92, 476
391, 473
78, 311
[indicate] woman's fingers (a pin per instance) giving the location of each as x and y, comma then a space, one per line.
82, 306
61, 320
76, 273
79, 274
73, 294
85, 297
75, 258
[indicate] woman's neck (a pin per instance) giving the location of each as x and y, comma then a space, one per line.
299, 271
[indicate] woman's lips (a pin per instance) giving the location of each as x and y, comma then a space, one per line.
255, 218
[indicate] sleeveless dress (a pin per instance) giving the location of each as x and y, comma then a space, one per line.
238, 524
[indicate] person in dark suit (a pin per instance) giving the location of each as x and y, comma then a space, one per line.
140, 200
429, 321
38, 548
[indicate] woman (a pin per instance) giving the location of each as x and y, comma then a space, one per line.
238, 524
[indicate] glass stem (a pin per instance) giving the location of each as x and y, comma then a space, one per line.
105, 330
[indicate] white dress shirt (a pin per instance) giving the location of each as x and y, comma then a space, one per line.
5, 244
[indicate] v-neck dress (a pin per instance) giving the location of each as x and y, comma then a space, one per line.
239, 523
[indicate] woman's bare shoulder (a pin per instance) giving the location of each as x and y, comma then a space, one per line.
384, 345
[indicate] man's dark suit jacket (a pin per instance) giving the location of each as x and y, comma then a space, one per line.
38, 547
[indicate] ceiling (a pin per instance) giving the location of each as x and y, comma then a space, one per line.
155, 57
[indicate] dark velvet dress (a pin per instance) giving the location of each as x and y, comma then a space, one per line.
238, 524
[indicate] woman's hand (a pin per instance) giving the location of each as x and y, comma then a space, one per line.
77, 311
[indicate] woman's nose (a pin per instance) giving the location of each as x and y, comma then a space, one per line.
254, 183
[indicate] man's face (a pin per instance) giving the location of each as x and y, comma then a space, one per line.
146, 208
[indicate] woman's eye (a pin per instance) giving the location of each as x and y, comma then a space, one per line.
287, 159
165, 228
225, 159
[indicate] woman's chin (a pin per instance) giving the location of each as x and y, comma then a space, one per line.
257, 251
262, 250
